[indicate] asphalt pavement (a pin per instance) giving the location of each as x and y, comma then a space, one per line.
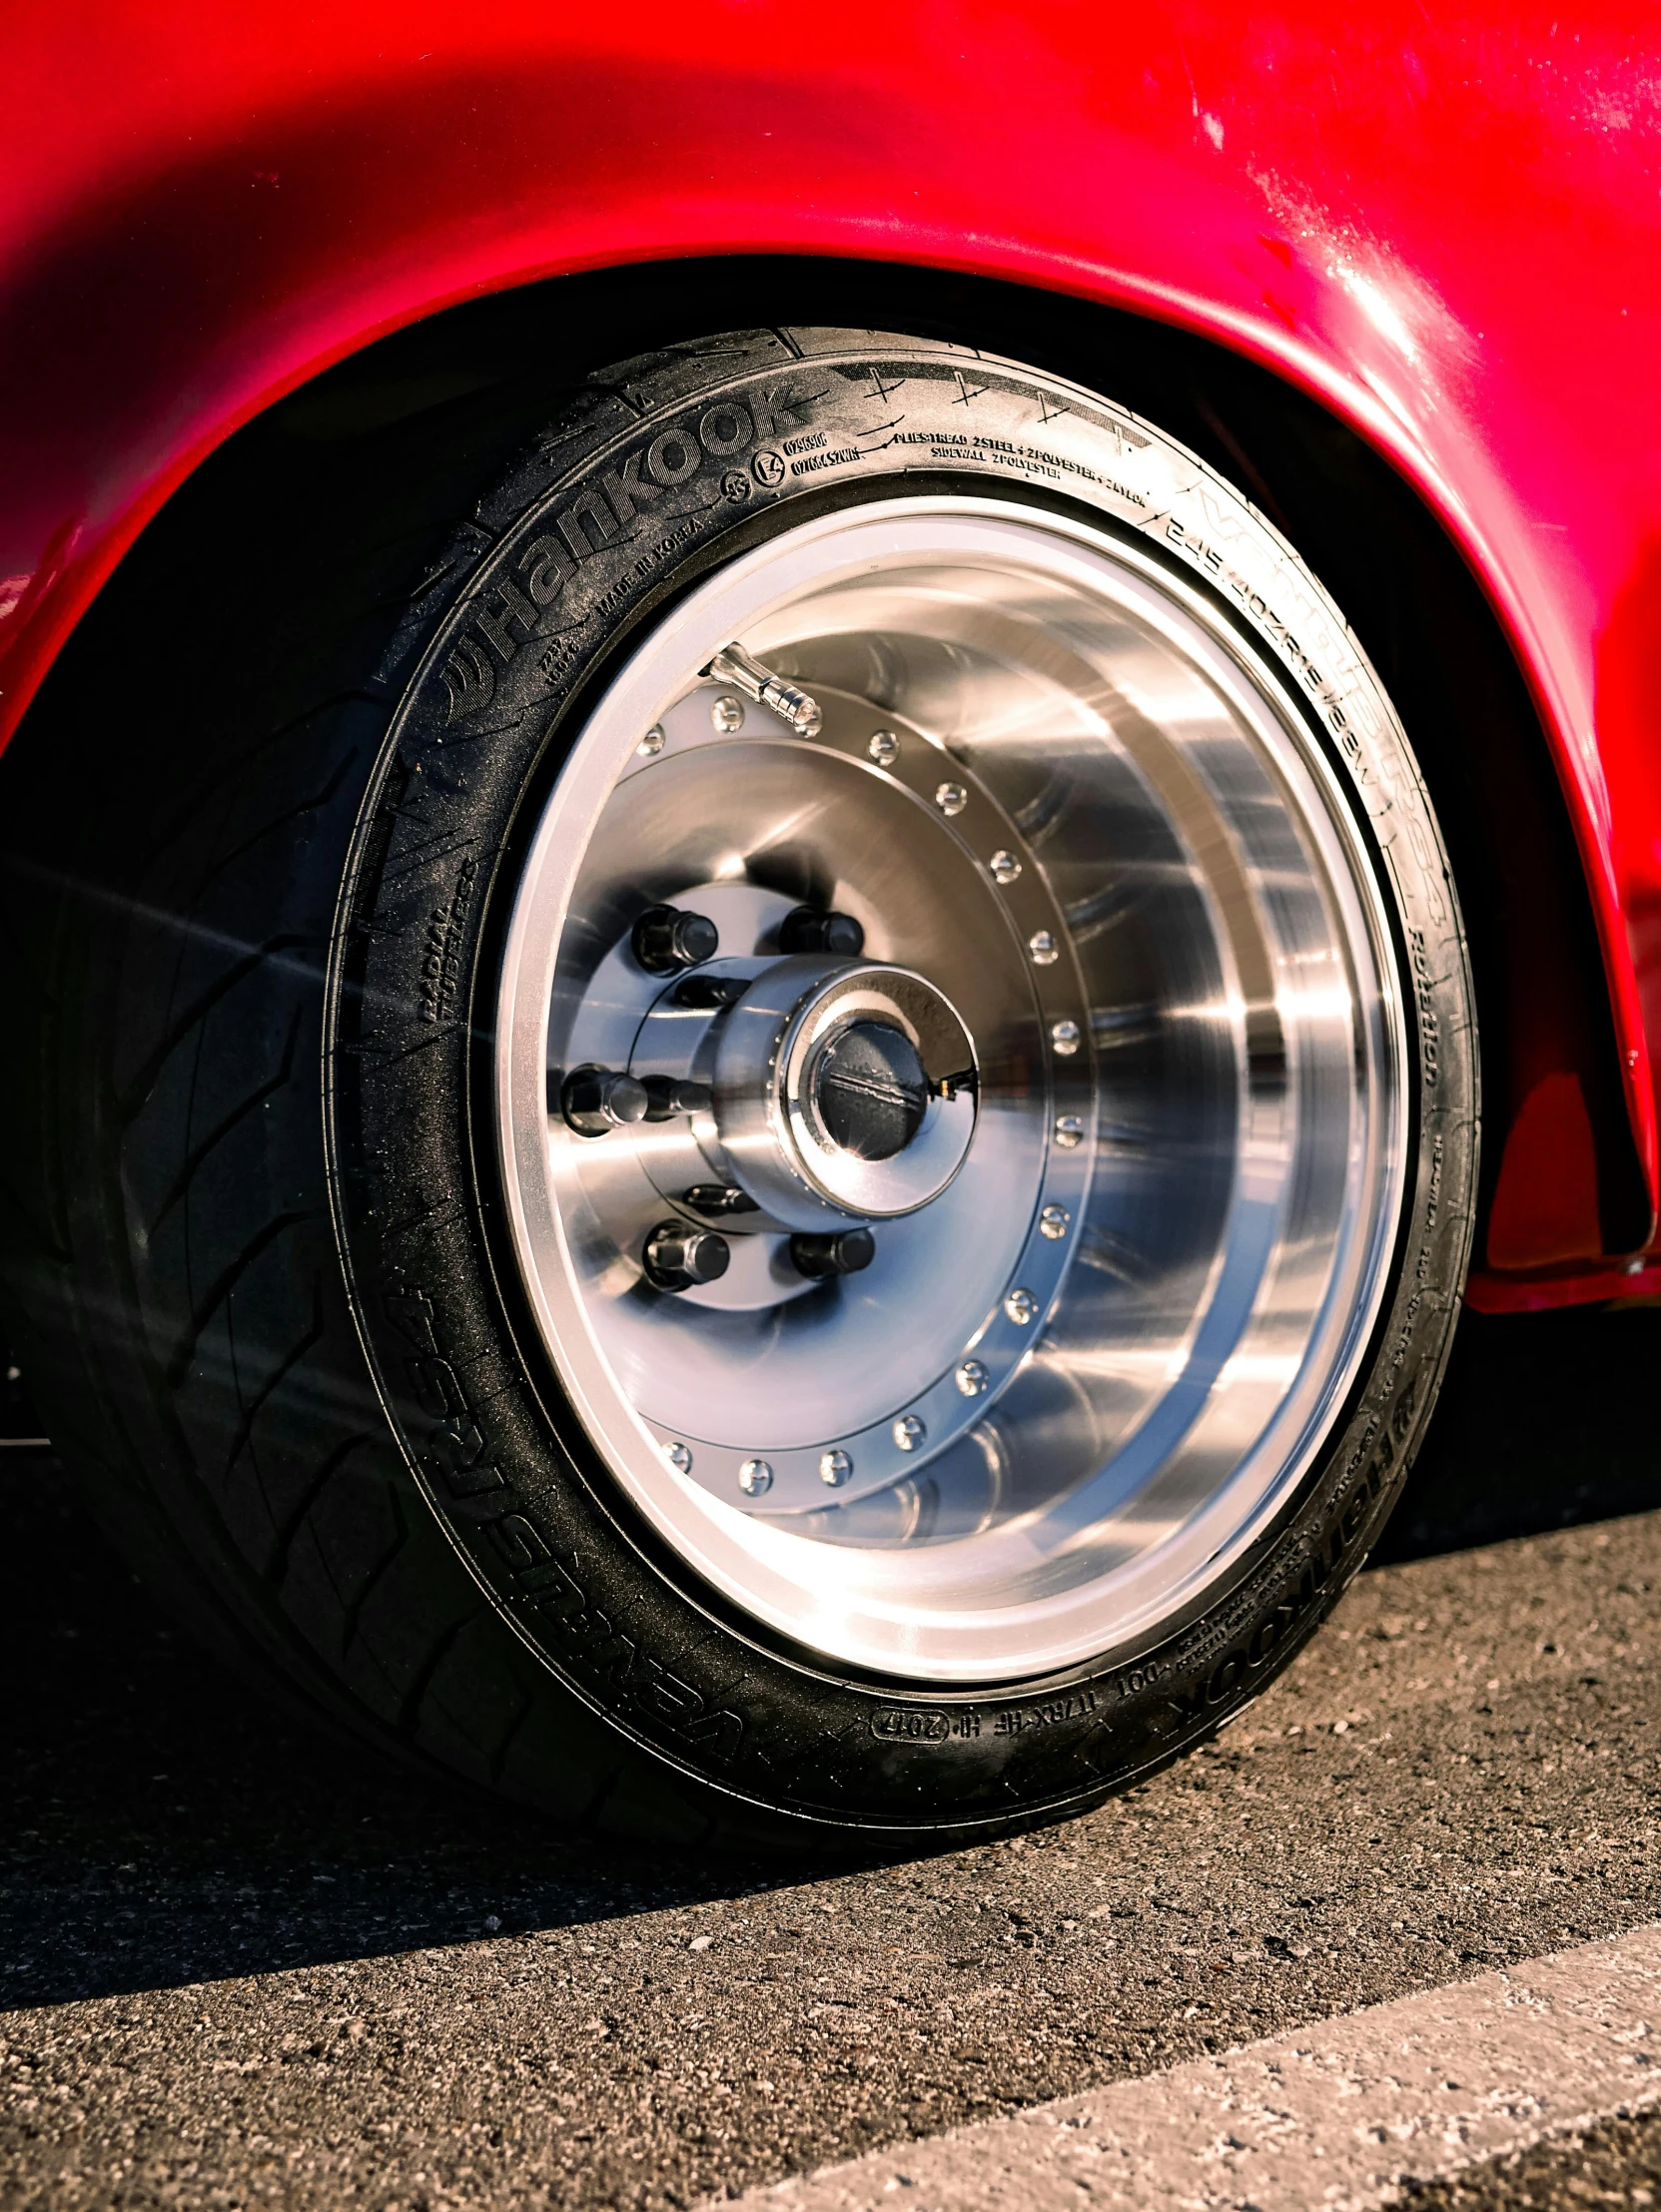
244, 1968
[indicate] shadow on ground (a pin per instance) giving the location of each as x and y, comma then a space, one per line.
164, 1827
1545, 1420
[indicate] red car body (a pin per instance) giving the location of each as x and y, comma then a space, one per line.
1444, 226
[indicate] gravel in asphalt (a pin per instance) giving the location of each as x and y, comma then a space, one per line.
1617, 2162
1337, 2114
243, 1968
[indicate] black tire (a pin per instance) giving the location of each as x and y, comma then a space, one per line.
255, 1263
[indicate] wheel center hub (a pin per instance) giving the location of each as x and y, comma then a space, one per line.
840, 1091
846, 1084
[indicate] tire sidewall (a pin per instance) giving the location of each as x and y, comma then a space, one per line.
657, 474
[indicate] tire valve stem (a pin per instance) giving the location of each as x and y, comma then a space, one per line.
679, 1256
793, 707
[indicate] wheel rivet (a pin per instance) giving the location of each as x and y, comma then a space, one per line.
1053, 1222
884, 748
1043, 949
843, 1253
679, 1458
1021, 1306
1064, 1036
652, 742
679, 1256
951, 798
755, 1477
835, 1468
972, 1378
727, 714
807, 929
909, 1432
665, 940
596, 1102
1005, 867
1070, 1132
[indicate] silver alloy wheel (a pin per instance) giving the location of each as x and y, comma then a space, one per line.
1130, 1244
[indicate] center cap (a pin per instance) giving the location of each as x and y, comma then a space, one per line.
845, 1090
868, 1088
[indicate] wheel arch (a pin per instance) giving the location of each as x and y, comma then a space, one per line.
1553, 982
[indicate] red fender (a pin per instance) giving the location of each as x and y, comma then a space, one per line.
1444, 227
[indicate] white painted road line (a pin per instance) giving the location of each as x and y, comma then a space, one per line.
1334, 2117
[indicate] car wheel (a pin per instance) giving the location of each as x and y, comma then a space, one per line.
805, 1170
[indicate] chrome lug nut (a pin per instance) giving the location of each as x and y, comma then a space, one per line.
835, 1468
755, 1478
884, 748
668, 1096
844, 1253
708, 991
595, 1101
909, 1432
1021, 1306
719, 1199
667, 939
807, 929
951, 798
1005, 867
679, 1256
972, 1378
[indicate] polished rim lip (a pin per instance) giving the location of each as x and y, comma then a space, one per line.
735, 1561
